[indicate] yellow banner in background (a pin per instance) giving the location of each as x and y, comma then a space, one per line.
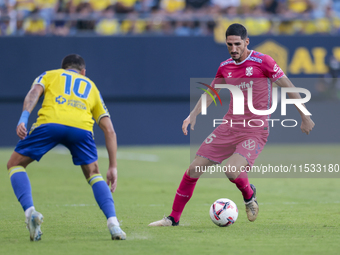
278, 52
302, 61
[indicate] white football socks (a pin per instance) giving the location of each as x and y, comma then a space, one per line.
28, 211
112, 221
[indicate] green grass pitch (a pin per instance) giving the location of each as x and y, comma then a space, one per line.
297, 215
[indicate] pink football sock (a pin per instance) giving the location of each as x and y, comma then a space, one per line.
242, 183
183, 195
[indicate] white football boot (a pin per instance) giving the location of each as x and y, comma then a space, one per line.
34, 221
116, 232
252, 207
165, 222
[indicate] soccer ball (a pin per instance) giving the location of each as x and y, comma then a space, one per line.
223, 212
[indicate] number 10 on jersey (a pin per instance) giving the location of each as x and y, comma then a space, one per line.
76, 84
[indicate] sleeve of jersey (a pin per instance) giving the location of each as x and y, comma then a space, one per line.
99, 110
219, 79
271, 69
41, 80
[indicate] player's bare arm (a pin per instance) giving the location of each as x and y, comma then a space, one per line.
30, 102
32, 97
307, 123
191, 119
111, 145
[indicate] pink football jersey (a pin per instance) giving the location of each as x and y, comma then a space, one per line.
258, 71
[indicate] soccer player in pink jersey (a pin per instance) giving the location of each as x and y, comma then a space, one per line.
238, 141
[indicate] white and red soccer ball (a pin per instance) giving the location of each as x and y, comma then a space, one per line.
223, 212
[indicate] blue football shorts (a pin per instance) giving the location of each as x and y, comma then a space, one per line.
80, 142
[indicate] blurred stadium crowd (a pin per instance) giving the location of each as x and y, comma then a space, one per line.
167, 17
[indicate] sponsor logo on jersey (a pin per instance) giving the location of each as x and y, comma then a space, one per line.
245, 85
249, 71
73, 103
258, 60
277, 74
229, 75
76, 104
60, 99
249, 144
278, 71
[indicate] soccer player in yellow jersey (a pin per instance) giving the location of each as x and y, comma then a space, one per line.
71, 102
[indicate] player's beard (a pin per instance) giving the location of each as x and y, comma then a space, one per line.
238, 60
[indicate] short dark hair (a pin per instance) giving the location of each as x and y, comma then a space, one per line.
73, 61
238, 30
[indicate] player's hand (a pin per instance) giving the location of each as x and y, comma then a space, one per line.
111, 178
21, 131
189, 120
307, 125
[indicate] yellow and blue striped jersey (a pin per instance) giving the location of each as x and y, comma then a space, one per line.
70, 99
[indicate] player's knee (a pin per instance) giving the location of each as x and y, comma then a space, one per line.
191, 169
198, 167
232, 175
11, 163
94, 170
90, 169
233, 172
194, 172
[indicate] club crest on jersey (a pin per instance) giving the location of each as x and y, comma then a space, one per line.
229, 75
249, 71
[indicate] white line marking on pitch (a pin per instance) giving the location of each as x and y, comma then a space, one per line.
156, 205
79, 205
96, 204
120, 155
294, 203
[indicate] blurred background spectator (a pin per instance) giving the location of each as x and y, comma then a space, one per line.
108, 24
226, 6
197, 4
167, 17
46, 9
35, 24
125, 6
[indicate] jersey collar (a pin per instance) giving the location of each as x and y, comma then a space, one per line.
71, 70
251, 52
